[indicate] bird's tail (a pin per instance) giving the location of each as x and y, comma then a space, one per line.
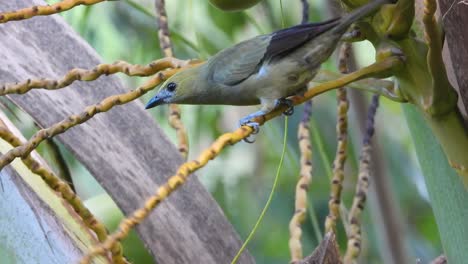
359, 13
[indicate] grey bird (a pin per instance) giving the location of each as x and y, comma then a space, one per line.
262, 70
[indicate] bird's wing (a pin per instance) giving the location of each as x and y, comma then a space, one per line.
235, 64
287, 40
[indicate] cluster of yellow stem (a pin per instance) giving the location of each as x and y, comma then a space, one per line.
90, 111
174, 110
163, 191
342, 138
302, 186
45, 10
91, 75
362, 187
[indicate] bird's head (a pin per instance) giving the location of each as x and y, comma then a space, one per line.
179, 88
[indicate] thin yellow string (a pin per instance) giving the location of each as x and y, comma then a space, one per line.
270, 198
280, 165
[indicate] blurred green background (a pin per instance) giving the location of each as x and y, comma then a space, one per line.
241, 178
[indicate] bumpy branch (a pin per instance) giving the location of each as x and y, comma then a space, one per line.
91, 75
302, 186
340, 157
379, 69
56, 184
166, 46
382, 87
382, 68
184, 171
163, 32
362, 186
62, 126
33, 11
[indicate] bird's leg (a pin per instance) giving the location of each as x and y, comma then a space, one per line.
267, 106
283, 101
247, 121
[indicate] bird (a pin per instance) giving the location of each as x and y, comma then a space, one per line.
264, 70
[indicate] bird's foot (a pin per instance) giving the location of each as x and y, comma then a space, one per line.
256, 128
254, 125
247, 121
289, 103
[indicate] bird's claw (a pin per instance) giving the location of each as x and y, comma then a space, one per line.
254, 125
247, 140
290, 110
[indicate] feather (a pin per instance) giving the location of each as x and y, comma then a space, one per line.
231, 68
235, 64
287, 40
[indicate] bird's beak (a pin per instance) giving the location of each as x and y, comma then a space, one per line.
158, 99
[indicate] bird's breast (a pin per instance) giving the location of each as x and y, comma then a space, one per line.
280, 79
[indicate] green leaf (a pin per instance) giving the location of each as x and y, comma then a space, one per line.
446, 191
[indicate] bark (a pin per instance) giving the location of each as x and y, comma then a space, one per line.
327, 252
454, 17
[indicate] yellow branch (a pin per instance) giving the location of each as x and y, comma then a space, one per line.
342, 139
33, 11
354, 242
92, 74
302, 187
362, 186
380, 69
178, 126
163, 28
166, 189
74, 120
174, 110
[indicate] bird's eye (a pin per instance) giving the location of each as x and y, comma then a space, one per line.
171, 86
